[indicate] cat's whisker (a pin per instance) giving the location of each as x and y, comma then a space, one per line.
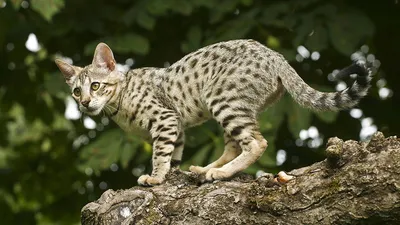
113, 109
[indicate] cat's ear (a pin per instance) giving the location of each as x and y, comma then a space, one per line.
69, 71
103, 57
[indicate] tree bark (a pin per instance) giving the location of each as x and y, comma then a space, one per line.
358, 183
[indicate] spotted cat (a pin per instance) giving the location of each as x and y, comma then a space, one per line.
231, 82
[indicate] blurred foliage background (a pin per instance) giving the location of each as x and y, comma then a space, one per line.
54, 160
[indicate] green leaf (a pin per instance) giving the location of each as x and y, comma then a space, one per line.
268, 159
289, 54
5, 155
60, 123
145, 20
204, 3
197, 136
270, 15
304, 3
193, 41
348, 30
129, 15
317, 40
127, 43
54, 83
271, 119
128, 149
235, 29
303, 30
100, 153
221, 9
298, 117
247, 2
16, 3
328, 117
47, 8
158, 7
327, 11
200, 157
182, 6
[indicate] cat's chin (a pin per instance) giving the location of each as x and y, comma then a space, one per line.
90, 112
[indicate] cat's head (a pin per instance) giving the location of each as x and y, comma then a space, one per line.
95, 85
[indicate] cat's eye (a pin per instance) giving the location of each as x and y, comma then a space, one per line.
94, 86
77, 92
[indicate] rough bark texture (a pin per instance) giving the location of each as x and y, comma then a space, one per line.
358, 183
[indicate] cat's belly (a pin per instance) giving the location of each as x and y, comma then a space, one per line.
195, 118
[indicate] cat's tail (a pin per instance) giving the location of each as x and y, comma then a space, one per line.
321, 101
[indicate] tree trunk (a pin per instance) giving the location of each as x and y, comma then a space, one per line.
358, 183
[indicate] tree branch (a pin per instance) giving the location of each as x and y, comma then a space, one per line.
357, 184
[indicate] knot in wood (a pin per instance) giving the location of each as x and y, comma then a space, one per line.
377, 142
334, 150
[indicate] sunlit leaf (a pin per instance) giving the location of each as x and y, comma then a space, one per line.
60, 123
46, 145
5, 155
19, 131
47, 8
273, 42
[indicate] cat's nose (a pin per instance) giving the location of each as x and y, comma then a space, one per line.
85, 102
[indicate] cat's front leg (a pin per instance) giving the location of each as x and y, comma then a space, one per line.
165, 135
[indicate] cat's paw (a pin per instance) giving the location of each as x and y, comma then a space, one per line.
198, 169
217, 174
147, 180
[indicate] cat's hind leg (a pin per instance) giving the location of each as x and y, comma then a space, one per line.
231, 151
251, 142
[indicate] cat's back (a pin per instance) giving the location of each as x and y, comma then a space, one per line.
219, 71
